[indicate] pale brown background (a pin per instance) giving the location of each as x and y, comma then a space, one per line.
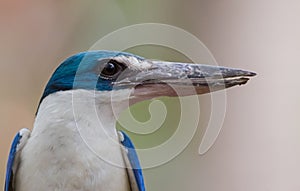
258, 147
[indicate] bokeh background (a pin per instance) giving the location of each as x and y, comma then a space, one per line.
258, 147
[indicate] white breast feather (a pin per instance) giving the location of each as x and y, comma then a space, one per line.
57, 158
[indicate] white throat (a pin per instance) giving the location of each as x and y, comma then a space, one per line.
75, 137
91, 113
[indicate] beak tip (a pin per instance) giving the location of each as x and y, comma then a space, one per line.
251, 74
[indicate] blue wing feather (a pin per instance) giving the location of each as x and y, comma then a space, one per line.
10, 162
134, 161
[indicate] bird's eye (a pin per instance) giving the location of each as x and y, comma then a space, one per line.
110, 69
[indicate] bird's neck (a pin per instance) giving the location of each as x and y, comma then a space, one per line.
88, 105
89, 117
75, 134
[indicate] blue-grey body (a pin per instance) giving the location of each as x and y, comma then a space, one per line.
74, 144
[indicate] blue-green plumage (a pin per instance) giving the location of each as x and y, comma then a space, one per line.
81, 71
10, 162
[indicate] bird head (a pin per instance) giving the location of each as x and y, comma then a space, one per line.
109, 71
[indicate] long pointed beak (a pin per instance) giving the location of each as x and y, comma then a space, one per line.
182, 79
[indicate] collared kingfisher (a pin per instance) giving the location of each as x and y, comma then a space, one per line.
74, 144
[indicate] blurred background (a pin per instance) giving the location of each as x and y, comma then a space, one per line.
258, 147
